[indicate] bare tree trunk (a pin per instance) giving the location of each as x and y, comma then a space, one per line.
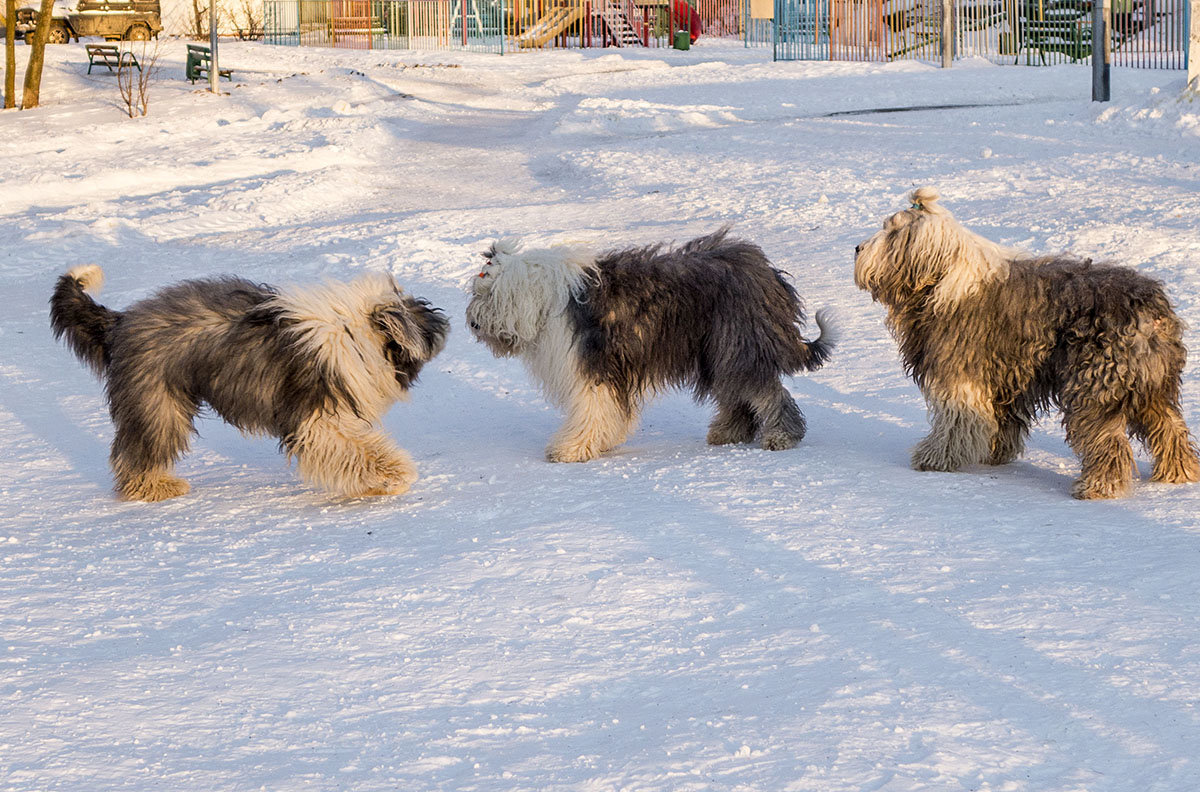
37, 56
199, 13
10, 54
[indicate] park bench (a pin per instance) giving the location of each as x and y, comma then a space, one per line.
1063, 26
199, 62
352, 27
109, 55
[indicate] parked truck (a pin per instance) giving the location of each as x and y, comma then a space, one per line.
112, 20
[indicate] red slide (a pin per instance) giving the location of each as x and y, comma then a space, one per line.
685, 15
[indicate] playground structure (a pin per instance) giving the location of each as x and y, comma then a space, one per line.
491, 25
1144, 33
613, 23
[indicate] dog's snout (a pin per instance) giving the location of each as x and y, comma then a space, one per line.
857, 248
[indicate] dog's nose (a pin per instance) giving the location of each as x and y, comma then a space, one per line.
857, 248
474, 326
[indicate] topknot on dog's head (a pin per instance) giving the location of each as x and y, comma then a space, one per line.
89, 276
503, 247
925, 199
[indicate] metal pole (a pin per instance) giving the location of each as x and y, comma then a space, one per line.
212, 45
947, 33
1100, 53
1192, 54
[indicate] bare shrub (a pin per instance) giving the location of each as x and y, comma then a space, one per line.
247, 19
134, 83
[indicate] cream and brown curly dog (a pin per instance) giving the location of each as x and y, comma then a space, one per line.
992, 336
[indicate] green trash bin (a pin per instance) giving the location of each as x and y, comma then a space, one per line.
683, 40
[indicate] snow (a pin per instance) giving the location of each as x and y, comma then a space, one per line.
669, 617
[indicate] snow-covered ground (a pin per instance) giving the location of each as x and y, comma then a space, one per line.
670, 617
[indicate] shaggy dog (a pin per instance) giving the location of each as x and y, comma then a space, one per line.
992, 336
315, 367
603, 333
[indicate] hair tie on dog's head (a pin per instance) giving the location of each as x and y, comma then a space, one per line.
924, 199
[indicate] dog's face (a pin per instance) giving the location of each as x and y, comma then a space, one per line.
895, 262
507, 309
518, 292
413, 332
924, 251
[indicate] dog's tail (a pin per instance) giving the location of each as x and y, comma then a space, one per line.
813, 354
75, 316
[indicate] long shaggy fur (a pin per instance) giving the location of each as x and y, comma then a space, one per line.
315, 367
991, 336
603, 333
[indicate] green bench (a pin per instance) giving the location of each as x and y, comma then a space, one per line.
199, 63
1062, 26
109, 55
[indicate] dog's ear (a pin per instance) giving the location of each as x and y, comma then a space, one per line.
926, 252
947, 257
431, 322
917, 235
412, 326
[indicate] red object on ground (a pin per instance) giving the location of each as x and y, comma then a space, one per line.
686, 15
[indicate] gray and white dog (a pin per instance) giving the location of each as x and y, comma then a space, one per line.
991, 336
602, 333
316, 367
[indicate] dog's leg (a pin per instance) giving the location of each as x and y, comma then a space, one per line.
1009, 440
351, 457
596, 422
735, 422
1160, 426
779, 416
1107, 459
963, 429
152, 430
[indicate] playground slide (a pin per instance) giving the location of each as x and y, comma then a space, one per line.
550, 25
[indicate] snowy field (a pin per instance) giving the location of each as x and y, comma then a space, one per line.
669, 617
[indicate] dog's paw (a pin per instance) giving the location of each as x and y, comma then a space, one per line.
1002, 453
391, 476
570, 453
726, 436
930, 457
1186, 471
390, 488
779, 441
1099, 488
153, 487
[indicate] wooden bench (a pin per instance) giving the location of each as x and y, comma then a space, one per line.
199, 63
109, 55
344, 27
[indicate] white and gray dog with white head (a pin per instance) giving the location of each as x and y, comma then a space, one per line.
316, 367
602, 333
992, 336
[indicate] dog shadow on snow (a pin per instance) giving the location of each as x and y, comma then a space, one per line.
723, 545
769, 643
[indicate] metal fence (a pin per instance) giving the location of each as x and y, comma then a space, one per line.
1144, 33
386, 24
507, 25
